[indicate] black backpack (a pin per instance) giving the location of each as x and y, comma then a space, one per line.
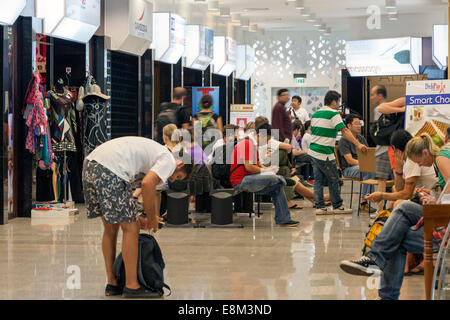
167, 115
220, 168
382, 130
150, 266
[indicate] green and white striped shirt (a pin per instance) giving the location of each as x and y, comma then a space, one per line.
325, 124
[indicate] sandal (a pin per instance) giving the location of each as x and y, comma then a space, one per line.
296, 207
111, 290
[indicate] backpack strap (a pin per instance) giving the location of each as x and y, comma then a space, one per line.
168, 288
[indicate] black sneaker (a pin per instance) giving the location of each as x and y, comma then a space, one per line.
364, 266
290, 223
140, 293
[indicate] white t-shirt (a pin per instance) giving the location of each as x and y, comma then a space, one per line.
427, 176
306, 141
379, 150
301, 113
129, 156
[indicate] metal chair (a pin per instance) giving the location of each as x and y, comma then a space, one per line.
441, 276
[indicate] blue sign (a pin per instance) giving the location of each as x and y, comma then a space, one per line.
199, 92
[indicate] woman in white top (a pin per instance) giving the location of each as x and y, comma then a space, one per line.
306, 139
296, 112
408, 174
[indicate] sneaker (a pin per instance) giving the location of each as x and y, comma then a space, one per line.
342, 210
365, 208
290, 223
140, 293
323, 211
364, 266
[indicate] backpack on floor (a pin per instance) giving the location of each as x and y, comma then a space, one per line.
150, 266
375, 229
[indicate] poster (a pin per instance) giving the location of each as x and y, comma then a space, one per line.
241, 114
428, 108
199, 92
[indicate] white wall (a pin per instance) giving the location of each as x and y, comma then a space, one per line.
281, 54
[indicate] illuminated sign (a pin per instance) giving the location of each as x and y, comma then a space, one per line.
168, 37
129, 25
75, 20
224, 55
384, 57
245, 62
10, 10
199, 47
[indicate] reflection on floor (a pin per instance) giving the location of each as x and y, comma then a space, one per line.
41, 259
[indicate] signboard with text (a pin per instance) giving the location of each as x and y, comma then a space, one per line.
428, 108
241, 114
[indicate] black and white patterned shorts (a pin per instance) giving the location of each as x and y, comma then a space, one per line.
107, 195
383, 165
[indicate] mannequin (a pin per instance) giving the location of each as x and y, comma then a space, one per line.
62, 123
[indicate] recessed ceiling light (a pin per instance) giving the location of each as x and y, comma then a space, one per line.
322, 27
213, 5
245, 22
255, 9
299, 4
304, 12
391, 4
311, 18
224, 12
318, 23
393, 16
235, 17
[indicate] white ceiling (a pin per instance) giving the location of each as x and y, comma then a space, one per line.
343, 16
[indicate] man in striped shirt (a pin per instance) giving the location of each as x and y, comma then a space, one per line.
325, 124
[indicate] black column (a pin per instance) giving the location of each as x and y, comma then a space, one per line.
23, 159
147, 97
4, 131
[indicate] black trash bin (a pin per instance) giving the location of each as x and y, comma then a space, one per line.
222, 208
177, 208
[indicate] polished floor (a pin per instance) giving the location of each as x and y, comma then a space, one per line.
62, 259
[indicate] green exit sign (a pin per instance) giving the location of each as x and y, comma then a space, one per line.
300, 80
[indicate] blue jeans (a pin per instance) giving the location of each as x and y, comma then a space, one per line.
268, 185
353, 172
326, 170
393, 242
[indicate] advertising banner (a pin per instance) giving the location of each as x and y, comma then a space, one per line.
428, 108
384, 57
241, 114
199, 92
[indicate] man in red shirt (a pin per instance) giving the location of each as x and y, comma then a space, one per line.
247, 174
280, 116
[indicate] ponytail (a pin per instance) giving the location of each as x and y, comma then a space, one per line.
415, 146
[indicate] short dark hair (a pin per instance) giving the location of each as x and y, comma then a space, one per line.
331, 96
381, 90
281, 91
264, 126
229, 127
206, 102
400, 139
179, 93
298, 99
350, 118
448, 131
307, 124
260, 120
298, 125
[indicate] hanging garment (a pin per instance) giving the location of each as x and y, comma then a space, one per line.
69, 173
36, 119
94, 123
62, 121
